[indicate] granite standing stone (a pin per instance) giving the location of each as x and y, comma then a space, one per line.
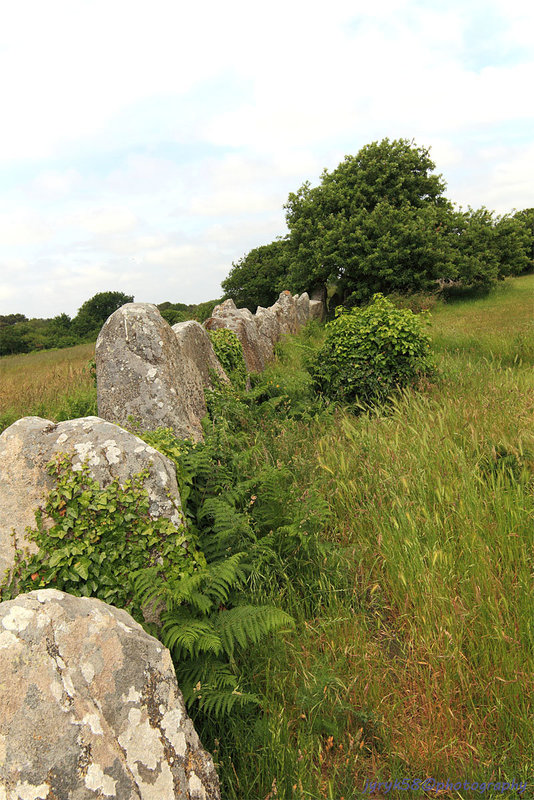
90, 707
27, 446
143, 375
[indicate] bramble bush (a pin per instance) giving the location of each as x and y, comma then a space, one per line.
370, 352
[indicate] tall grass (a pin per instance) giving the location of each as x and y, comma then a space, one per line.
413, 656
55, 384
498, 327
420, 662
436, 499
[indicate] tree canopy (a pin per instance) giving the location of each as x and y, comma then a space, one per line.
374, 224
95, 311
380, 222
258, 278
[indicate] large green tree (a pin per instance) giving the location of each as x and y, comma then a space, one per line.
378, 222
95, 311
526, 218
258, 278
486, 248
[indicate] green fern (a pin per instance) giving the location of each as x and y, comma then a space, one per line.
244, 625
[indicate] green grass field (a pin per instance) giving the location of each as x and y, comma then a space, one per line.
413, 654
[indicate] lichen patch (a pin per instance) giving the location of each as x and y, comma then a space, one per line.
98, 781
18, 619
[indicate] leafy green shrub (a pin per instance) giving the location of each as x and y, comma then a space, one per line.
229, 351
370, 352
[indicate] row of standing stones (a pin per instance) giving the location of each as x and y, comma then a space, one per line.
89, 704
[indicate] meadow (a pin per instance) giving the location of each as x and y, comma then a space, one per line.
55, 384
412, 656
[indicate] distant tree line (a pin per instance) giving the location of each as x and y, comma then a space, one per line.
380, 222
21, 335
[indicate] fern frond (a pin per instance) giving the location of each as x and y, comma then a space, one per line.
212, 687
186, 587
222, 703
203, 671
201, 602
247, 624
190, 636
150, 589
225, 575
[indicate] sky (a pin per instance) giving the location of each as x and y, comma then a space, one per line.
146, 146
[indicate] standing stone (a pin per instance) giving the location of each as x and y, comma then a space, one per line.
195, 344
303, 309
242, 322
285, 309
268, 326
27, 446
142, 374
317, 310
318, 303
90, 707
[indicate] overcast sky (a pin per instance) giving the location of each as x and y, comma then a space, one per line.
145, 145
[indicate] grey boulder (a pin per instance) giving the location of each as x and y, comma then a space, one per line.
27, 446
90, 707
143, 375
195, 345
285, 309
303, 309
242, 322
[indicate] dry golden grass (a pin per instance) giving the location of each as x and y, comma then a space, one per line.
40, 383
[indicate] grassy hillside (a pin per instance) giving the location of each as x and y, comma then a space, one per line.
410, 567
55, 384
418, 662
500, 326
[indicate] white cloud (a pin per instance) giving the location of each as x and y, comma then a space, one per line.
179, 256
53, 184
104, 220
6, 292
158, 143
23, 227
510, 184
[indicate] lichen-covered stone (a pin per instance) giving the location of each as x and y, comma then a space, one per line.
285, 309
90, 707
142, 374
259, 332
27, 446
317, 310
242, 322
303, 309
268, 326
195, 344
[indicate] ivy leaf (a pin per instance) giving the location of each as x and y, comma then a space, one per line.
81, 568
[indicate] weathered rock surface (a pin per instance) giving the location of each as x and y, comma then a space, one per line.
90, 707
303, 309
285, 309
269, 332
318, 303
243, 323
259, 332
316, 309
195, 344
29, 444
142, 373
